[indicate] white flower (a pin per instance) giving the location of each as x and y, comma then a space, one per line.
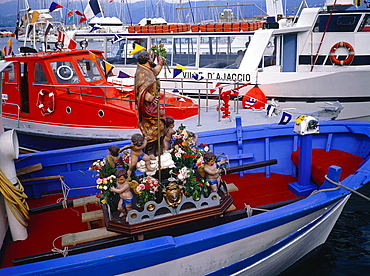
206, 148
105, 187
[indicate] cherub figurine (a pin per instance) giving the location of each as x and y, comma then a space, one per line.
212, 171
137, 154
113, 156
123, 189
192, 137
169, 124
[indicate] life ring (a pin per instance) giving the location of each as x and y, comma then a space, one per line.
64, 72
46, 102
333, 56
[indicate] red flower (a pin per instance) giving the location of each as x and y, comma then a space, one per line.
186, 156
147, 186
200, 184
203, 145
98, 195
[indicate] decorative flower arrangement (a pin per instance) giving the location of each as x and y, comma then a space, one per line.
160, 51
193, 186
104, 185
146, 190
188, 157
184, 150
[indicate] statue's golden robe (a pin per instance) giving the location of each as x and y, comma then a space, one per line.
146, 81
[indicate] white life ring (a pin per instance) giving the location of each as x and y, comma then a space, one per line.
46, 102
65, 72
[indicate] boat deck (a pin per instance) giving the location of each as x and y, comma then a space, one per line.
257, 191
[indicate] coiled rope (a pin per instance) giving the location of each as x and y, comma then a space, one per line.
15, 199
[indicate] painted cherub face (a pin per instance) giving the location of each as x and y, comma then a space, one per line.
121, 179
211, 162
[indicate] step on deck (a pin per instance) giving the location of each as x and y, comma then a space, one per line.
87, 236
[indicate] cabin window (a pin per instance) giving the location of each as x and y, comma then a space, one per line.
89, 70
365, 25
127, 57
184, 51
64, 72
337, 23
222, 51
40, 76
9, 73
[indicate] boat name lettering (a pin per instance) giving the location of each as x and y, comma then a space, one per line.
221, 76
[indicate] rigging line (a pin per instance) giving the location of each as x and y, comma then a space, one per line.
192, 13
323, 35
129, 12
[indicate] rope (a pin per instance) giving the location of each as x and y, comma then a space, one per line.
15, 199
338, 184
345, 187
323, 35
64, 251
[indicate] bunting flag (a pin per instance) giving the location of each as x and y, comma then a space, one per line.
179, 69
175, 90
30, 28
176, 72
92, 9
234, 92
92, 56
54, 6
123, 75
196, 76
4, 51
72, 44
35, 16
25, 19
270, 110
178, 66
70, 13
117, 38
82, 19
137, 49
79, 13
107, 68
215, 89
48, 28
285, 118
10, 46
94, 28
70, 19
67, 42
180, 99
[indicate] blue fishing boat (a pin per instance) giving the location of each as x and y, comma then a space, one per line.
286, 186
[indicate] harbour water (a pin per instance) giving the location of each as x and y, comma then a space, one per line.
347, 250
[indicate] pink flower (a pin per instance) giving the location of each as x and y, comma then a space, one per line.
99, 181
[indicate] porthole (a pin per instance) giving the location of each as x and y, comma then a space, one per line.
101, 113
68, 110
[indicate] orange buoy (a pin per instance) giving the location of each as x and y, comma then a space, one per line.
254, 98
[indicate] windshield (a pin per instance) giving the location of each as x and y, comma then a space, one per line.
64, 72
89, 70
